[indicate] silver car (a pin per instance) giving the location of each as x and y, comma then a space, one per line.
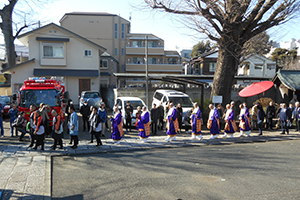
93, 98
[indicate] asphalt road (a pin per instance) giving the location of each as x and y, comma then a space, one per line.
244, 171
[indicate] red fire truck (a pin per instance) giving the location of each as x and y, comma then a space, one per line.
40, 90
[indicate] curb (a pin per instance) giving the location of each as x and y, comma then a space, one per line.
48, 177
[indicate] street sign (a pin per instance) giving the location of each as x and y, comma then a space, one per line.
217, 99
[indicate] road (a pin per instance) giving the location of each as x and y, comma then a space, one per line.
241, 171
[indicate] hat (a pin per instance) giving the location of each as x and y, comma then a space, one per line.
22, 112
41, 105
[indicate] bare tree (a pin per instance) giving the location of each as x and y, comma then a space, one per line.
231, 23
27, 8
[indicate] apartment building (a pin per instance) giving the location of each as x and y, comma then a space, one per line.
159, 60
105, 29
128, 49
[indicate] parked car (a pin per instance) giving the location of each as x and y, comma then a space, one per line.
161, 97
134, 101
5, 101
93, 98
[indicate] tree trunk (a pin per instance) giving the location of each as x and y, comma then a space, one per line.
225, 71
8, 39
7, 30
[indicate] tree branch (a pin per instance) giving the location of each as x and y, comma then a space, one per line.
19, 31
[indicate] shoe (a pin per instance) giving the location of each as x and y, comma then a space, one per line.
102, 135
199, 137
282, 133
173, 138
193, 137
168, 139
144, 141
53, 148
35, 148
70, 142
42, 149
224, 136
118, 142
231, 136
73, 147
30, 146
20, 139
241, 135
259, 134
212, 137
90, 142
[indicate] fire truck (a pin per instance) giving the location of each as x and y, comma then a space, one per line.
39, 90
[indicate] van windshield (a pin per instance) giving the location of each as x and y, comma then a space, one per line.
184, 101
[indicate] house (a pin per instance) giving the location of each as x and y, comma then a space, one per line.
108, 66
256, 66
204, 64
57, 51
287, 83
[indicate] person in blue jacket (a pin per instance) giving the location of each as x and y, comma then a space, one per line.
285, 117
13, 114
103, 115
73, 127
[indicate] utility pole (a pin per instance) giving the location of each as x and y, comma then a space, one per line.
146, 52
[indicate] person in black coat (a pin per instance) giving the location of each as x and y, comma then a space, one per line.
296, 115
154, 117
160, 117
85, 112
128, 115
270, 112
179, 116
57, 130
260, 118
96, 126
285, 117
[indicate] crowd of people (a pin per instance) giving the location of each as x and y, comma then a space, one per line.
159, 117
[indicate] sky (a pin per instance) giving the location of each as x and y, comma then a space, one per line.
166, 26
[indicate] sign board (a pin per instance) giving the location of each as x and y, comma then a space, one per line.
217, 99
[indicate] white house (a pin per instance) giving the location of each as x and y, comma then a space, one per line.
257, 66
56, 51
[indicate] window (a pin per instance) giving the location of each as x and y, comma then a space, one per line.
151, 60
123, 31
158, 96
116, 31
88, 53
172, 60
258, 67
53, 50
270, 66
137, 44
104, 63
123, 52
137, 60
116, 51
152, 44
212, 67
123, 68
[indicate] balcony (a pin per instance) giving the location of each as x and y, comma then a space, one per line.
134, 50
154, 68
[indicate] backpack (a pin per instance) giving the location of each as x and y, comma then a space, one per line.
17, 122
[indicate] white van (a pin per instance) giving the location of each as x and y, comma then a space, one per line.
134, 101
163, 96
